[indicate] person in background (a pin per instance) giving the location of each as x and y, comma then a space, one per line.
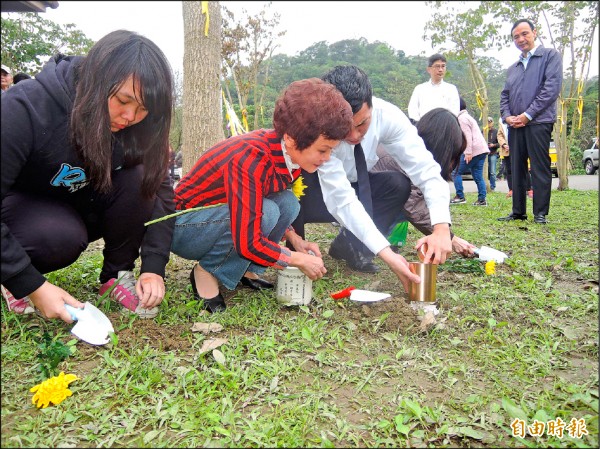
502, 151
366, 217
247, 178
492, 139
528, 106
443, 137
505, 168
85, 157
435, 93
20, 77
6, 78
473, 158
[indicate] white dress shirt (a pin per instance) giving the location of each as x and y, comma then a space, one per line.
390, 127
428, 96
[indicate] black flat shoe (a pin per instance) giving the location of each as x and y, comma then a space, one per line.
540, 219
256, 284
216, 304
512, 217
354, 259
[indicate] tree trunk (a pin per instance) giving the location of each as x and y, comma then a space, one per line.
202, 107
560, 141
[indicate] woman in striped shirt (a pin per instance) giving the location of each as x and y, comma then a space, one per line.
247, 178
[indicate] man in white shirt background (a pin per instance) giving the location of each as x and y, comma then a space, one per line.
435, 93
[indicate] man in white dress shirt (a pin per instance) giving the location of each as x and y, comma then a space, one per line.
331, 196
435, 93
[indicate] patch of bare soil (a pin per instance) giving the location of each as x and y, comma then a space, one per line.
400, 316
159, 336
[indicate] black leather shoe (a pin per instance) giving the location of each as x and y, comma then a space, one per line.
353, 258
216, 304
540, 219
256, 284
511, 217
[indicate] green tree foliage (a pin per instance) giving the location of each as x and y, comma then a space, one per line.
247, 46
29, 40
393, 74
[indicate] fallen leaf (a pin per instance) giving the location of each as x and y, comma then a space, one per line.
591, 285
466, 431
91, 427
538, 277
219, 356
207, 328
212, 343
571, 334
374, 286
427, 322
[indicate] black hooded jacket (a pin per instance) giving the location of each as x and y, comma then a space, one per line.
37, 157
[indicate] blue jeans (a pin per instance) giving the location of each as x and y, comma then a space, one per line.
205, 236
492, 159
476, 166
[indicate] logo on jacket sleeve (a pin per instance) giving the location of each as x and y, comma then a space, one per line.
71, 177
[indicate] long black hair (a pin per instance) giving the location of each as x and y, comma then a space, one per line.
109, 63
443, 136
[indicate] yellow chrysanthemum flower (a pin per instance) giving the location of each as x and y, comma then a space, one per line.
298, 187
490, 267
53, 390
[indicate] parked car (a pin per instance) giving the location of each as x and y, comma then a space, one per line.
466, 175
590, 158
553, 159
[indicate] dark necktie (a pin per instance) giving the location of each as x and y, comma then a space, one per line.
362, 178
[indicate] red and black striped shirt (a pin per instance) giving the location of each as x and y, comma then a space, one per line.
241, 171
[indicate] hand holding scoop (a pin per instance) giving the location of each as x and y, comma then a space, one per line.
92, 325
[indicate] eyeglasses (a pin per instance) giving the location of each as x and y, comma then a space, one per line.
439, 66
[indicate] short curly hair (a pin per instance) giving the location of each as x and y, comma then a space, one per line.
311, 108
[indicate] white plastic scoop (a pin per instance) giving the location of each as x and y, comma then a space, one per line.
367, 296
486, 254
92, 325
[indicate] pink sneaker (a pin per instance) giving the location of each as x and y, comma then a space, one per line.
21, 306
122, 290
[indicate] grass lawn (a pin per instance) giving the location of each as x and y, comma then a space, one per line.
507, 351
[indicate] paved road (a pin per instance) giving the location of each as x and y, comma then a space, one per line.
576, 182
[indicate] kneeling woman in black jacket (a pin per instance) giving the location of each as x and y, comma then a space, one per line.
85, 157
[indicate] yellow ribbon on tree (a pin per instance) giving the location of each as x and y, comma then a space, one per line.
580, 110
205, 11
479, 104
235, 127
562, 112
245, 119
580, 101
